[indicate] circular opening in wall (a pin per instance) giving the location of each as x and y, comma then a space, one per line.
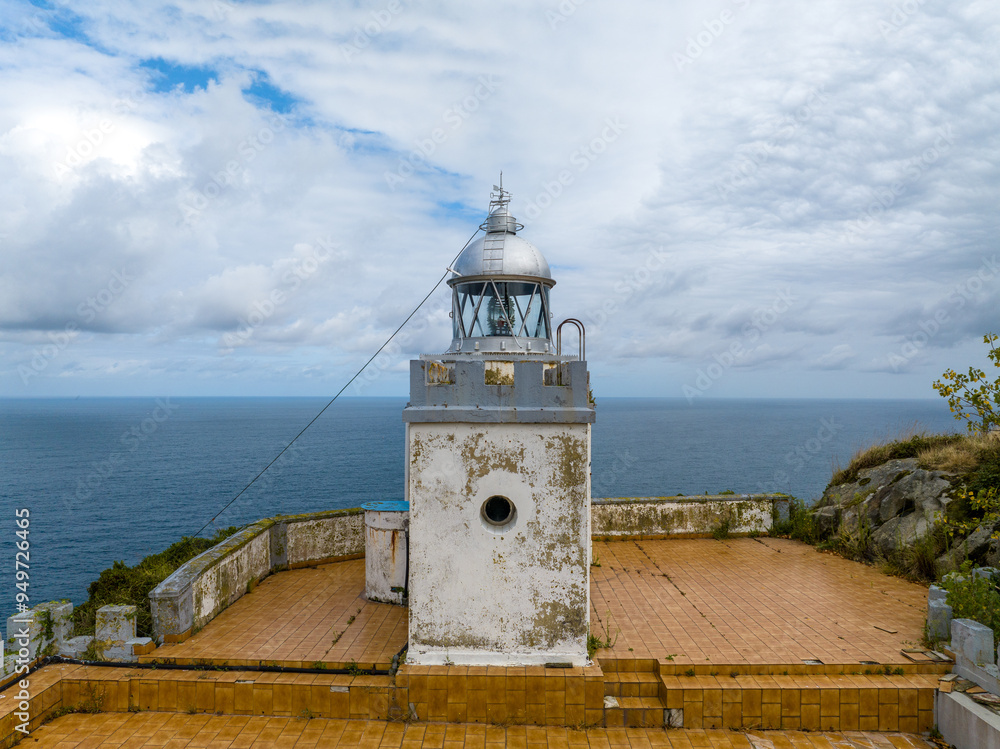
498, 510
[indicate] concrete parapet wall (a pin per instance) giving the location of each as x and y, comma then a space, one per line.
240, 561
515, 392
326, 535
201, 589
624, 517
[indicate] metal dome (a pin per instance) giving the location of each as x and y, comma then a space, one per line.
500, 252
520, 258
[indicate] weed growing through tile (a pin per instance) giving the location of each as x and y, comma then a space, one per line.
721, 531
595, 643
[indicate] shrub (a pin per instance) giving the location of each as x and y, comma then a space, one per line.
121, 584
972, 597
798, 525
972, 397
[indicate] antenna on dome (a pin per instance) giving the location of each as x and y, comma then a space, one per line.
499, 197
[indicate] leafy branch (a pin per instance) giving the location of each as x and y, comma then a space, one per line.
972, 396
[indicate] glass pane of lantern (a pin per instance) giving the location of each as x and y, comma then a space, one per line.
503, 308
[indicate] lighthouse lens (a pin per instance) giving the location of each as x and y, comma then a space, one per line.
498, 510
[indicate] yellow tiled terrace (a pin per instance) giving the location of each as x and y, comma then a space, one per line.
746, 642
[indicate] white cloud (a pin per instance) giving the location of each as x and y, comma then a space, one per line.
838, 150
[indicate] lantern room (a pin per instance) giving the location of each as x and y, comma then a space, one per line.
500, 291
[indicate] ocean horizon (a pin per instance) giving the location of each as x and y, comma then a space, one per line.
114, 479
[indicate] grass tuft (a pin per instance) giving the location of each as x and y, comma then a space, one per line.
876, 455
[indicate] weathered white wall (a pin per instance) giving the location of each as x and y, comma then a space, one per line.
479, 594
682, 516
226, 581
386, 555
325, 535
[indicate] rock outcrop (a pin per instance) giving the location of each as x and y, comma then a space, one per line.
896, 502
896, 505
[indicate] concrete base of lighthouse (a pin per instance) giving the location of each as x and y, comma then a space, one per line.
499, 519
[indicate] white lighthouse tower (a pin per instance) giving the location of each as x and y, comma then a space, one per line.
498, 470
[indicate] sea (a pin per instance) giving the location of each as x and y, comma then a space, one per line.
115, 479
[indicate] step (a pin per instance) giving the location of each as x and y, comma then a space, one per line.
631, 684
637, 712
854, 702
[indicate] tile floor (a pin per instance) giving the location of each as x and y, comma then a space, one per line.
750, 601
740, 601
300, 617
176, 730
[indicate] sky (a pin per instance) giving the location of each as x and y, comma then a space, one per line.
738, 198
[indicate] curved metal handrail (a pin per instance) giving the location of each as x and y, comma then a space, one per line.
582, 337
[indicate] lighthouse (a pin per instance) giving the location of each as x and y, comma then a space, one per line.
498, 433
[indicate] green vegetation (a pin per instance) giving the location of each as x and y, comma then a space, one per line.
974, 597
595, 643
721, 531
971, 396
798, 525
878, 454
981, 508
355, 670
121, 584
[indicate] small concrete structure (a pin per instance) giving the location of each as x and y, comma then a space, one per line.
387, 528
939, 616
39, 631
965, 724
972, 643
114, 635
741, 514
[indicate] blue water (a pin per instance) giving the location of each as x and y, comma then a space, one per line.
110, 479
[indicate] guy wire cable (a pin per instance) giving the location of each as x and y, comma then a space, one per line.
347, 385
